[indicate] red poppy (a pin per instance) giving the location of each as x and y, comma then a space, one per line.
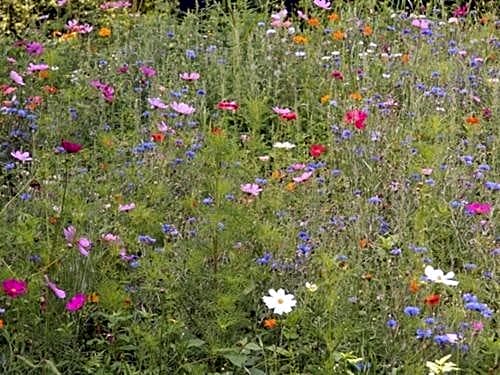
158, 137
70, 147
317, 150
432, 300
289, 116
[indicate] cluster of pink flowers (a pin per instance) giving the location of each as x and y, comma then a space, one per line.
74, 26
115, 5
356, 117
83, 243
107, 91
285, 113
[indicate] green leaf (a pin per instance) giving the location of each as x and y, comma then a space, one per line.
195, 343
253, 346
236, 359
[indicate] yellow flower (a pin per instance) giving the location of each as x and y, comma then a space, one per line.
290, 186
69, 36
355, 96
104, 32
300, 39
325, 99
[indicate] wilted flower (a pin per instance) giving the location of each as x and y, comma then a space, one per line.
279, 301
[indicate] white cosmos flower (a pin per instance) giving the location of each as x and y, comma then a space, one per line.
438, 276
279, 301
285, 145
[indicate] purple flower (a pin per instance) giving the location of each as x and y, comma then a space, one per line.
411, 310
182, 108
69, 234
59, 293
84, 246
126, 207
323, 4
34, 48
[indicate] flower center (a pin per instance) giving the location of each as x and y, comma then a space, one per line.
281, 301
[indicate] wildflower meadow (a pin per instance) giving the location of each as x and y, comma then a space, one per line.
246, 189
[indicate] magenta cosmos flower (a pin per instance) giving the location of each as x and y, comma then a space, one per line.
76, 302
70, 147
477, 208
14, 287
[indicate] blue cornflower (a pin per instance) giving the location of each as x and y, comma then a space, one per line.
411, 310
265, 259
169, 229
145, 239
423, 333
396, 251
207, 201
191, 54
391, 323
303, 236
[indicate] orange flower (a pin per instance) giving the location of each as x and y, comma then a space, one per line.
300, 39
93, 298
290, 186
43, 74
49, 89
53, 220
104, 32
333, 17
472, 120
217, 131
325, 99
338, 35
2, 324
367, 276
367, 30
414, 286
313, 22
432, 300
269, 323
355, 96
69, 36
158, 137
405, 58
363, 243
277, 175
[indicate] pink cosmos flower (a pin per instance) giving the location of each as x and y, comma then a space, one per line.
84, 246
421, 23
477, 208
59, 293
106, 90
36, 68
148, 71
182, 108
285, 113
76, 302
70, 147
126, 207
74, 26
252, 189
323, 4
111, 238
21, 156
69, 234
157, 103
122, 69
16, 77
303, 177
228, 105
356, 117
192, 76
477, 326
298, 166
14, 288
278, 19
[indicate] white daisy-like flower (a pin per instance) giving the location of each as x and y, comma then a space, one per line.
439, 277
285, 145
279, 301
